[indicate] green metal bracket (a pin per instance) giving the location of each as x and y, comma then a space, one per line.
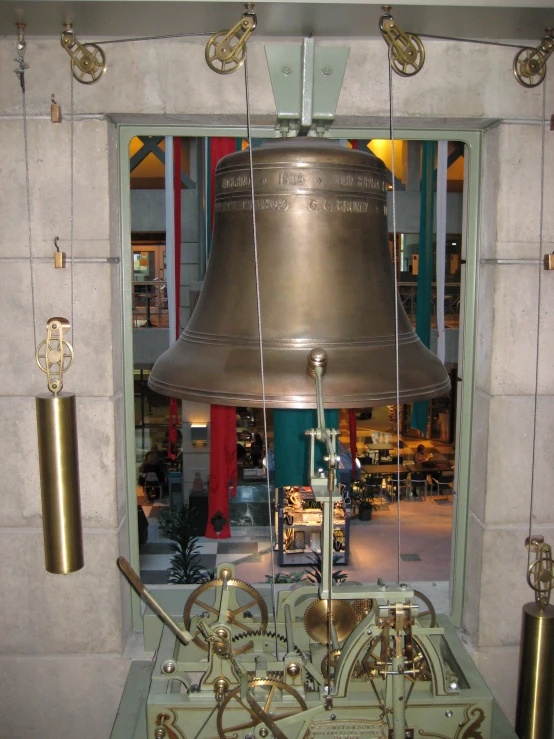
306, 82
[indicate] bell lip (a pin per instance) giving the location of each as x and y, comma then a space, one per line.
243, 388
255, 400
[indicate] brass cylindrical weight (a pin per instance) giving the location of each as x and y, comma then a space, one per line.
535, 699
59, 481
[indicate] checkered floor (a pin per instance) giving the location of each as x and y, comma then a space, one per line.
156, 554
427, 526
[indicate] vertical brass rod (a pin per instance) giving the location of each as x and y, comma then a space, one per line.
59, 481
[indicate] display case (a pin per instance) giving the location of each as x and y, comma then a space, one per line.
298, 525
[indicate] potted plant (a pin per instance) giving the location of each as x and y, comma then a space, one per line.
179, 525
363, 500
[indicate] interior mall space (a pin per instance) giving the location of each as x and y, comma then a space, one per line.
419, 138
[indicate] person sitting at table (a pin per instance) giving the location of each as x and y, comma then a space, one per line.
419, 477
420, 456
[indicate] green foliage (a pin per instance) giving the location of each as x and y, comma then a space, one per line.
180, 526
314, 570
362, 494
287, 577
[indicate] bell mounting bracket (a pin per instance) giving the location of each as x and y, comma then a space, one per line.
306, 82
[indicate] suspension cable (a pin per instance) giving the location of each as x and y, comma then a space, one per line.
537, 350
396, 317
260, 340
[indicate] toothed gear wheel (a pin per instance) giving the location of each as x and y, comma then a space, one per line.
335, 654
241, 718
427, 617
269, 635
232, 617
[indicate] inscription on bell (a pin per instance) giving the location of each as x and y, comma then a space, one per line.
292, 178
261, 204
340, 206
363, 182
238, 180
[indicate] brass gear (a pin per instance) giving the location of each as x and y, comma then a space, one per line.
362, 607
428, 618
269, 635
343, 618
335, 654
231, 615
250, 719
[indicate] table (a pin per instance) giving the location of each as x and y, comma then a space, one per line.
383, 469
379, 447
428, 467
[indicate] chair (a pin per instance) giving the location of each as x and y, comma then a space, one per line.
152, 486
398, 484
419, 481
175, 485
444, 484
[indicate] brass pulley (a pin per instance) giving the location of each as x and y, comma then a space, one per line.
54, 355
530, 63
88, 61
406, 49
226, 50
540, 574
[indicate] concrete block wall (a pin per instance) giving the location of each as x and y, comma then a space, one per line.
60, 632
513, 469
63, 638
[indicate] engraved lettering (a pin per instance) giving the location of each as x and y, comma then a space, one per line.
342, 179
351, 206
239, 180
343, 206
261, 204
347, 729
292, 178
371, 183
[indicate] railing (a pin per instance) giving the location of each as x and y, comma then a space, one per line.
408, 296
150, 304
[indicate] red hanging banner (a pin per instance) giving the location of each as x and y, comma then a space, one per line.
223, 424
173, 426
219, 148
223, 469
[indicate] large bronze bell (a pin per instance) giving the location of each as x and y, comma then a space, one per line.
325, 280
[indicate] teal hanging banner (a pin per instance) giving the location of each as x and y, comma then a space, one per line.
292, 446
420, 410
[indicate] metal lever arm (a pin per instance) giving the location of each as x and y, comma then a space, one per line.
182, 634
